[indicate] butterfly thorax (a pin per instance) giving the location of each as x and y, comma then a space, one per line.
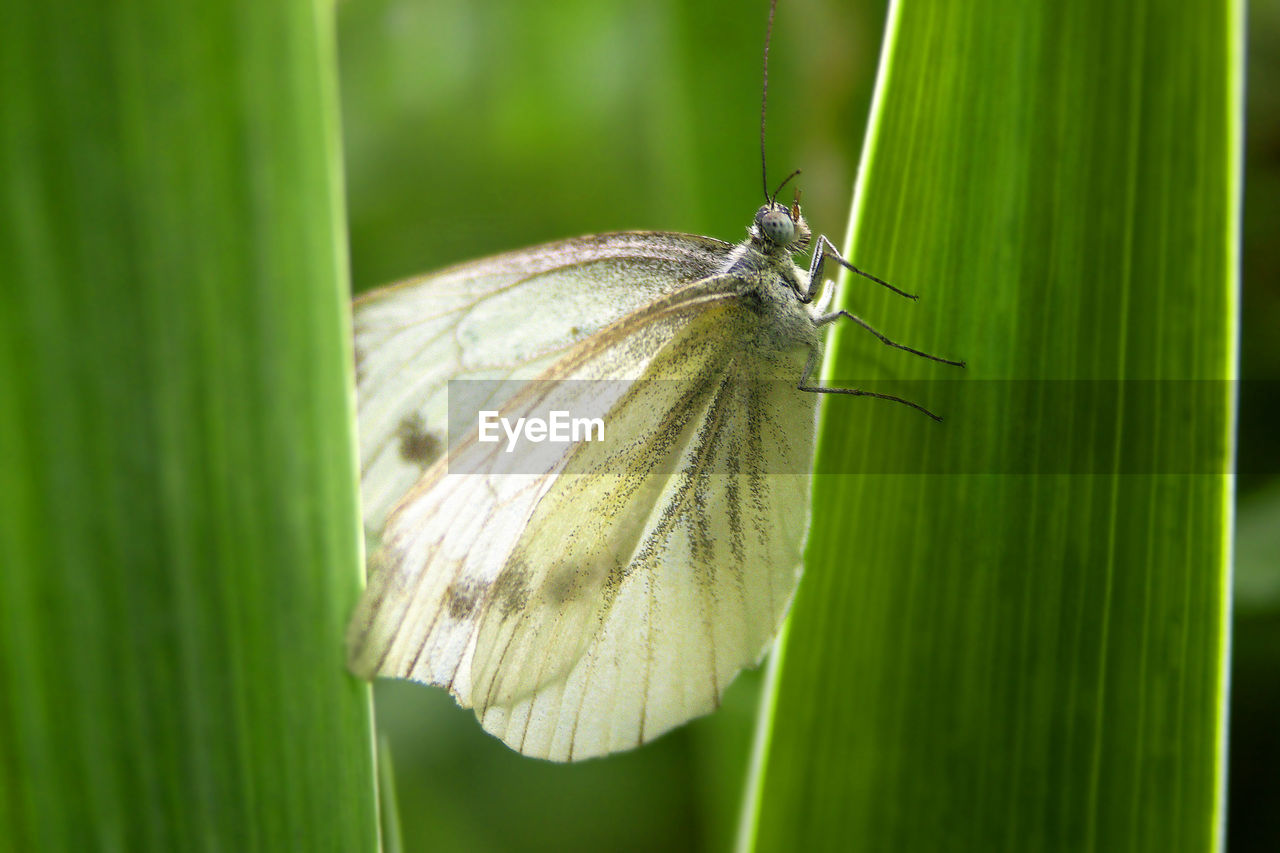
762, 271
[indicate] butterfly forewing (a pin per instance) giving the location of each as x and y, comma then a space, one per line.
511, 316
451, 534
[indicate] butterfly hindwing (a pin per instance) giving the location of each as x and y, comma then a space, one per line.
696, 594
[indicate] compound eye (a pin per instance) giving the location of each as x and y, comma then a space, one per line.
777, 226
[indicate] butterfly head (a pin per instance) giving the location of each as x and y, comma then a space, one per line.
778, 228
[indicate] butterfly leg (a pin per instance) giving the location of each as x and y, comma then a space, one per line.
836, 315
827, 249
804, 385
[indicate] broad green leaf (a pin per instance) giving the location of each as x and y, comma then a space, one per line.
178, 520
1012, 634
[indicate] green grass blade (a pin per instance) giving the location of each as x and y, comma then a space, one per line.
178, 519
1012, 634
388, 802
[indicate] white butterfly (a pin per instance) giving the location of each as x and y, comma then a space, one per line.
614, 591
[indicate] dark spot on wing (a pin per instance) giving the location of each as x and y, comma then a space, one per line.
384, 572
460, 598
416, 444
511, 589
562, 585
569, 582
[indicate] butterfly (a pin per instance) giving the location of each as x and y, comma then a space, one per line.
600, 593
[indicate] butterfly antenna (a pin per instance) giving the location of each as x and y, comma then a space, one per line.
764, 102
785, 181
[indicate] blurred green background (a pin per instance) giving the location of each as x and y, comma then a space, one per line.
477, 128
